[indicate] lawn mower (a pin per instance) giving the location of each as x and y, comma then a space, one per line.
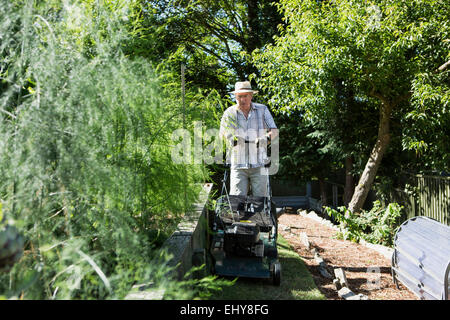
244, 241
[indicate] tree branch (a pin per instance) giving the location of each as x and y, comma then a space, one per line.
443, 67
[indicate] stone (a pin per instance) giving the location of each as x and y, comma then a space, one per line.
340, 275
346, 293
304, 240
322, 264
146, 295
145, 291
337, 284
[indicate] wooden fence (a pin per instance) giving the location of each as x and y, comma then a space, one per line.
420, 195
424, 195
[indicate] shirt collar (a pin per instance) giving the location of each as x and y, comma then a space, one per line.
251, 108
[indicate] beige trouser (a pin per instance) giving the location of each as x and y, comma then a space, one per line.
240, 178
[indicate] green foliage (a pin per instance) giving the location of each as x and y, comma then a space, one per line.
214, 38
11, 244
85, 143
352, 67
369, 51
198, 288
303, 152
426, 128
378, 225
375, 48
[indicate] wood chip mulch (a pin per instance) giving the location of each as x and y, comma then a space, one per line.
357, 260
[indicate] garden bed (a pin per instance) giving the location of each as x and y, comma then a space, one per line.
357, 260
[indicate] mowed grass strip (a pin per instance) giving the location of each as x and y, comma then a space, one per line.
296, 282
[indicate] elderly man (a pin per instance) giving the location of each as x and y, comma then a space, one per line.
247, 126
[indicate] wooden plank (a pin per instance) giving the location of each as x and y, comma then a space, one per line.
416, 183
429, 199
422, 197
435, 195
413, 212
439, 201
432, 198
447, 198
447, 205
431, 189
434, 191
443, 200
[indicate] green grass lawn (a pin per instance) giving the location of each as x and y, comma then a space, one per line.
296, 282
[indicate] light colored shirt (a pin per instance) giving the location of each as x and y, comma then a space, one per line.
235, 126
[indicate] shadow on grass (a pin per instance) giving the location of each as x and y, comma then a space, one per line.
296, 282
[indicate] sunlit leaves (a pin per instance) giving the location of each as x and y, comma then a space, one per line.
86, 167
385, 51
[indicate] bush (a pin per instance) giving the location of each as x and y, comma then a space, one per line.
377, 225
85, 143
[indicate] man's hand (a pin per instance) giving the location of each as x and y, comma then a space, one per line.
267, 137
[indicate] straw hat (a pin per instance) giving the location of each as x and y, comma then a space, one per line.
243, 87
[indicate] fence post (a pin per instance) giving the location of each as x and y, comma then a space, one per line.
308, 189
335, 195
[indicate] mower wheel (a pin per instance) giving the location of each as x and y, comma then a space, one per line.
276, 274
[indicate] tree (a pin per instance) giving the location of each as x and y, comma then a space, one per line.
304, 154
380, 50
214, 38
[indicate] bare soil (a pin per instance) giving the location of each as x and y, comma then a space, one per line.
358, 261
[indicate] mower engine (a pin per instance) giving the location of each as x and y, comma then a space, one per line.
243, 239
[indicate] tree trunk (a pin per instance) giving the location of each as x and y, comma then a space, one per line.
370, 171
323, 191
349, 181
253, 36
253, 25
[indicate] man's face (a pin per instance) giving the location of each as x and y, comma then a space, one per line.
244, 100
